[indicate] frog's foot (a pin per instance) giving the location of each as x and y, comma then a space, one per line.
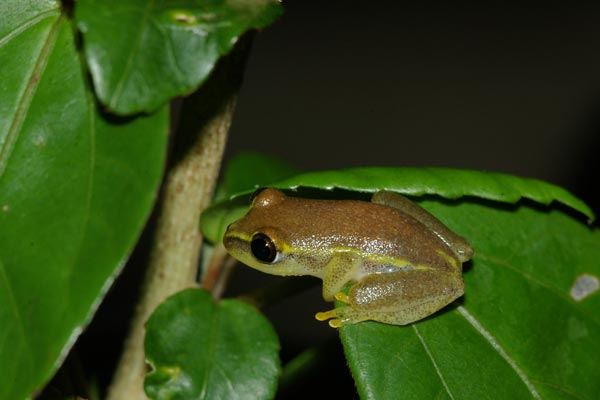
339, 315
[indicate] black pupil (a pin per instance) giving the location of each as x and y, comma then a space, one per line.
263, 248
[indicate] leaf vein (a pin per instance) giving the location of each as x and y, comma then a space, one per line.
27, 24
211, 353
433, 362
27, 96
552, 289
500, 350
15, 311
170, 47
134, 50
560, 389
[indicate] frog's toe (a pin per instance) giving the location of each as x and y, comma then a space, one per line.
334, 317
325, 315
335, 323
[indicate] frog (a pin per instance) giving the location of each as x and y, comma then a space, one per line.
400, 262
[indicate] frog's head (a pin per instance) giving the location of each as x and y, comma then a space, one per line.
260, 239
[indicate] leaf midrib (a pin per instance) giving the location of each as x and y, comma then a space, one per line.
116, 97
433, 362
28, 94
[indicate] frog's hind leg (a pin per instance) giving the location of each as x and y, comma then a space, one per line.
405, 296
398, 298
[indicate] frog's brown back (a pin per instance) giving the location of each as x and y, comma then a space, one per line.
370, 228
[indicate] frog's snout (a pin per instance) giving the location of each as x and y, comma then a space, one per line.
228, 239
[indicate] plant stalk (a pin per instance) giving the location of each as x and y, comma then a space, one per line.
188, 189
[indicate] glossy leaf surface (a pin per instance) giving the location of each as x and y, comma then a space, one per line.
445, 182
75, 190
199, 349
142, 52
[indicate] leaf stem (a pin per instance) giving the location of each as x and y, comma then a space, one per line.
217, 272
188, 188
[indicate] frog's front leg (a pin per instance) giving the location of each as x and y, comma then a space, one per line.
339, 270
397, 298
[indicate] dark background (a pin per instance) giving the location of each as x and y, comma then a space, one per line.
512, 88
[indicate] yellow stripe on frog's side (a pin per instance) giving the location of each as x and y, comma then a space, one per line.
374, 258
395, 261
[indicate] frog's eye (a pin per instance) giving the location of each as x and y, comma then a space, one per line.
263, 248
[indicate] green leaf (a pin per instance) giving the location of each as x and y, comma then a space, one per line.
527, 327
75, 191
142, 52
201, 349
444, 182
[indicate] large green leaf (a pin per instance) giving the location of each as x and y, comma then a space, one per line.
199, 349
527, 327
75, 190
443, 182
143, 52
